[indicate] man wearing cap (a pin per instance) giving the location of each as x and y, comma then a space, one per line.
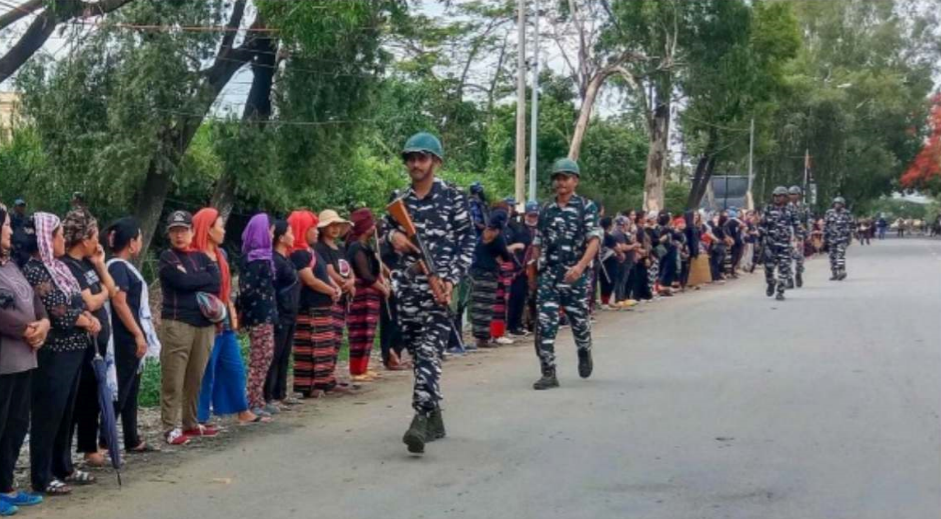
568, 238
795, 194
440, 214
838, 231
778, 224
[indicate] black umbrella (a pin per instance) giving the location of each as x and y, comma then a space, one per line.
109, 426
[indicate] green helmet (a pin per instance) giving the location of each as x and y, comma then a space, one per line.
566, 166
424, 143
839, 200
794, 190
779, 191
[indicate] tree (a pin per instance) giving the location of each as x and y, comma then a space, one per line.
925, 171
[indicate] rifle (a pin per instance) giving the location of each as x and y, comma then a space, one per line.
425, 264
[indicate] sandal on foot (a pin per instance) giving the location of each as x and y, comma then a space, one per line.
21, 499
96, 460
57, 488
143, 448
257, 419
80, 478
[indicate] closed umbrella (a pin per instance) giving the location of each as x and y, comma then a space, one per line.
109, 426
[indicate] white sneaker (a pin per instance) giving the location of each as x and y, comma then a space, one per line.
503, 341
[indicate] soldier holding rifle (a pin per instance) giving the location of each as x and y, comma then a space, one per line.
430, 227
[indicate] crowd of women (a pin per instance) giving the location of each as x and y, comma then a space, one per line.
69, 292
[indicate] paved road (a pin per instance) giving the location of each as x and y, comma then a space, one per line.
717, 404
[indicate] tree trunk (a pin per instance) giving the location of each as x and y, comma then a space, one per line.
584, 112
44, 25
257, 111
704, 170
658, 137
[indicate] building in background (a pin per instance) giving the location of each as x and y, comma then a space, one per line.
9, 106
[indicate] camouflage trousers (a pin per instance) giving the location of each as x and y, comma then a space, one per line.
838, 257
778, 256
425, 328
798, 252
553, 294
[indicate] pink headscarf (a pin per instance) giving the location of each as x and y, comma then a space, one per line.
46, 224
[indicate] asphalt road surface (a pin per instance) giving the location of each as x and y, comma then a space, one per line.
720, 403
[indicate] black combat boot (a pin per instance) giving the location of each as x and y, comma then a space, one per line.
780, 296
770, 290
790, 284
835, 276
799, 280
435, 426
548, 381
585, 364
842, 275
417, 434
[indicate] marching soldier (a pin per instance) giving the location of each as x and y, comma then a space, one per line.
778, 222
567, 239
440, 216
838, 231
803, 218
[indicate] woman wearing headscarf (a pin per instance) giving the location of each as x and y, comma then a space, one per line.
315, 341
186, 334
134, 335
222, 391
86, 259
333, 228
23, 330
371, 290
258, 307
55, 382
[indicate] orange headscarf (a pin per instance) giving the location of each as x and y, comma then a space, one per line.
202, 222
301, 221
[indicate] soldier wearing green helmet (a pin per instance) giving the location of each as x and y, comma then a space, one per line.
837, 232
567, 239
438, 212
795, 193
778, 225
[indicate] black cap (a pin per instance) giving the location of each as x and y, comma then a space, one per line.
180, 219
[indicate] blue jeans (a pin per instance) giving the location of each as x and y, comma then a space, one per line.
223, 385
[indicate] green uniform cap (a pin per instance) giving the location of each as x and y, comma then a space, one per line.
779, 191
839, 200
567, 166
424, 143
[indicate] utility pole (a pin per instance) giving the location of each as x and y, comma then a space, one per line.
751, 164
521, 103
534, 125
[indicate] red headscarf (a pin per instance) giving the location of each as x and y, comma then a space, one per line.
202, 222
301, 221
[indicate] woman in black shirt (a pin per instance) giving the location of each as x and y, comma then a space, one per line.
287, 291
489, 253
370, 291
315, 342
258, 307
332, 228
55, 383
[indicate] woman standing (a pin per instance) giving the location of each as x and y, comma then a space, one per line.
134, 335
258, 306
23, 330
86, 259
314, 336
185, 333
332, 229
371, 290
699, 270
489, 253
287, 292
55, 383
223, 384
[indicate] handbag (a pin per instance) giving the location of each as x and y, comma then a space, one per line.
211, 307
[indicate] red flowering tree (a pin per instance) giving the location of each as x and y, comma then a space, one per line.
925, 171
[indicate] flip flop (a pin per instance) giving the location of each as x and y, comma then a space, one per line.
80, 478
258, 419
142, 449
57, 488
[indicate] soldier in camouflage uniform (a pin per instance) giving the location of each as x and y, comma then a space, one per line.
803, 217
440, 214
778, 224
838, 231
567, 239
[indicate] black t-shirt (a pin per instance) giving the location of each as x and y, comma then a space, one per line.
486, 254
87, 278
132, 287
310, 298
364, 263
518, 233
732, 228
287, 287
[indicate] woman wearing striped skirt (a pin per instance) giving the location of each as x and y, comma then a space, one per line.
315, 341
485, 276
371, 290
333, 252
